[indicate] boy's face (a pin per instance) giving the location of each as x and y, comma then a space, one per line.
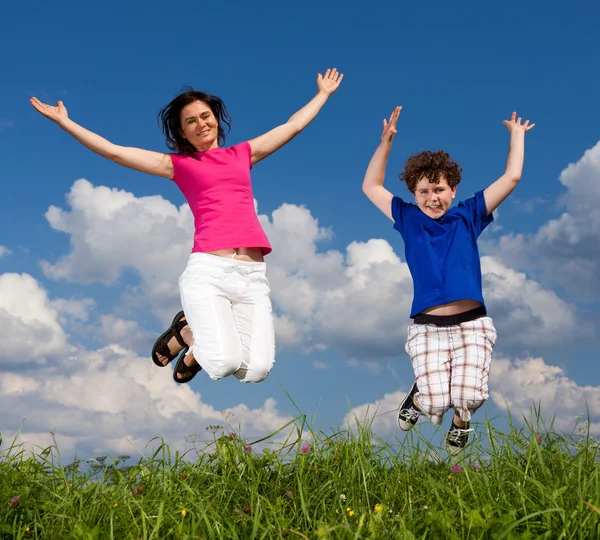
433, 199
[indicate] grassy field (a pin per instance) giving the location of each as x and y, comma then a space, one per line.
527, 483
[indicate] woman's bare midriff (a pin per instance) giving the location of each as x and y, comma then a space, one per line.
453, 308
241, 254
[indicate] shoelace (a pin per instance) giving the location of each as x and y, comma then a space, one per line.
456, 435
410, 414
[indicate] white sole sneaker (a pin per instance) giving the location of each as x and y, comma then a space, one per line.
457, 438
408, 415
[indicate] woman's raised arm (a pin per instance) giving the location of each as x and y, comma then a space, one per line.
155, 163
273, 140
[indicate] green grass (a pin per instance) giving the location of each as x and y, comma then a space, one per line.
527, 483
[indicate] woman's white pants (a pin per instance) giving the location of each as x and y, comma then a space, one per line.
227, 305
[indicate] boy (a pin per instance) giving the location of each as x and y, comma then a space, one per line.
451, 339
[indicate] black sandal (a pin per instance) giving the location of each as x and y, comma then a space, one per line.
189, 372
161, 346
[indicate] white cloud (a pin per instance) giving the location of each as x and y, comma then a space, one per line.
359, 302
12, 384
78, 310
566, 250
521, 384
126, 333
100, 400
519, 305
108, 400
356, 301
4, 251
111, 230
31, 330
381, 415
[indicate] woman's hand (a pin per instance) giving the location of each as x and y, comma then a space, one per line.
57, 114
328, 83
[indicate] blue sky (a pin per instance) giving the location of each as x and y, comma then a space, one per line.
340, 286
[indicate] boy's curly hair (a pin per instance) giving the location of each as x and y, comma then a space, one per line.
432, 165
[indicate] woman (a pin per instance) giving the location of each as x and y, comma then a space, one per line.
227, 328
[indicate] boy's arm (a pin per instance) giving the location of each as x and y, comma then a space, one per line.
503, 187
373, 182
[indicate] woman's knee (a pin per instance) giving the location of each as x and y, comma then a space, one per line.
256, 375
256, 371
218, 366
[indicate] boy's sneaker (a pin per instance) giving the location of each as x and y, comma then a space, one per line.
457, 438
408, 414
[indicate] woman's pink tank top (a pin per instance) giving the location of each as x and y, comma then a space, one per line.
218, 188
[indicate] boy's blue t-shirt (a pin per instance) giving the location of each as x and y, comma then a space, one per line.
442, 254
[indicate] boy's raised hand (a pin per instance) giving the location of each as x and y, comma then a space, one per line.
515, 124
389, 128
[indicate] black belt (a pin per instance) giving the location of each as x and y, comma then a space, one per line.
450, 320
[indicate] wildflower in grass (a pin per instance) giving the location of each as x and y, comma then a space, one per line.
232, 435
14, 502
379, 508
288, 495
247, 509
457, 468
449, 477
248, 449
115, 505
474, 466
538, 438
336, 458
138, 490
305, 448
183, 512
343, 498
350, 511
330, 442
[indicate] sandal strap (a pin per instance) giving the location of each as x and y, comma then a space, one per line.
177, 327
183, 369
161, 346
163, 350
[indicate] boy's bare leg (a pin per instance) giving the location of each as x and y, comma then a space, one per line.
458, 421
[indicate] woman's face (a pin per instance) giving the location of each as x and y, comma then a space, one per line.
199, 126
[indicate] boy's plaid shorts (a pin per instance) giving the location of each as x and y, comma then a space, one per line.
451, 365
